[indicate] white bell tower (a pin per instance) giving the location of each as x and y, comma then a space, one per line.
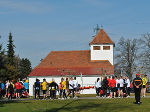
102, 47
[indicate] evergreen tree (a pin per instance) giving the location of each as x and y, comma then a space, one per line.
10, 52
2, 63
25, 68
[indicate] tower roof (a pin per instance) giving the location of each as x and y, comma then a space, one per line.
101, 38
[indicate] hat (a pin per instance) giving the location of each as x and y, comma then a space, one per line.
137, 74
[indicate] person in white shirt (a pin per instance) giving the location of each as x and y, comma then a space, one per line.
117, 86
128, 86
75, 85
121, 85
71, 86
97, 87
7, 85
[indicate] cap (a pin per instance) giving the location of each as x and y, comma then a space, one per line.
137, 74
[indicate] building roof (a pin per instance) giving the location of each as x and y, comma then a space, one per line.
101, 38
71, 62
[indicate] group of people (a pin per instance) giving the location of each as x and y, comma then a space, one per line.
121, 87
64, 88
12, 89
113, 87
109, 87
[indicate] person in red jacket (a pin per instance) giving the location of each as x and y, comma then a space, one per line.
18, 88
113, 85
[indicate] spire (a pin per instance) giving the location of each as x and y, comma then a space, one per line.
101, 38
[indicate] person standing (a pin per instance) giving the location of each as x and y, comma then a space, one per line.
11, 91
71, 87
54, 86
67, 85
113, 87
97, 87
2, 89
18, 88
121, 86
37, 88
105, 86
75, 85
117, 86
44, 88
6, 86
26, 86
144, 80
128, 87
64, 88
137, 84
60, 89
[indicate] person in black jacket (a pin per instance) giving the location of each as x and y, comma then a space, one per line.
105, 86
137, 84
54, 87
37, 88
11, 91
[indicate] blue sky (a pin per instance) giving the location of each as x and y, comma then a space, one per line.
41, 26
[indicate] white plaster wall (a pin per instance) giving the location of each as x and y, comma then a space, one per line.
102, 54
87, 81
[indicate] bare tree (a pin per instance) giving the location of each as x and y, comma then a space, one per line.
126, 54
145, 54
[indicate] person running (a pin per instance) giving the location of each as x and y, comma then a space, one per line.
128, 87
11, 91
144, 80
121, 86
97, 87
37, 88
18, 88
26, 86
75, 86
113, 87
105, 86
44, 88
53, 85
71, 88
137, 84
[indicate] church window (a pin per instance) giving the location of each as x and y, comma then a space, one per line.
106, 47
96, 48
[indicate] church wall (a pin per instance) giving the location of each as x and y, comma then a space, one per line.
87, 81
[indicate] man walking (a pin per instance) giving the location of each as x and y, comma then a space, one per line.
137, 83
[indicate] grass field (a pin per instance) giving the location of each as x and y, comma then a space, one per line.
86, 105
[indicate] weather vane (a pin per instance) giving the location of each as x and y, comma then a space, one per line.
96, 29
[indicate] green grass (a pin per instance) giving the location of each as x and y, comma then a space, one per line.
88, 105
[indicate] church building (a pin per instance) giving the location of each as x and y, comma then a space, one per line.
85, 65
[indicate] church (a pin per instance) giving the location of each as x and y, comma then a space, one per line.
85, 65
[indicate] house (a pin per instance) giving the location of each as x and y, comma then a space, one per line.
86, 65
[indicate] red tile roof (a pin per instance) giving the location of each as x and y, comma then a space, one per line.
71, 62
101, 38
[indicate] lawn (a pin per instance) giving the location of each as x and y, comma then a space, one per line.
82, 105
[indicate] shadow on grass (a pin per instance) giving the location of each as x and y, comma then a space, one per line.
77, 106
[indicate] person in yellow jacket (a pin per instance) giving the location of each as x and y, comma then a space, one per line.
64, 88
144, 80
44, 88
50, 89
